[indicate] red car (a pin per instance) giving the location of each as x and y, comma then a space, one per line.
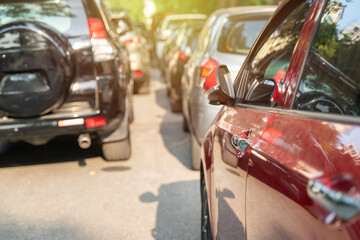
282, 158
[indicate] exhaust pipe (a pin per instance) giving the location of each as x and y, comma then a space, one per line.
84, 140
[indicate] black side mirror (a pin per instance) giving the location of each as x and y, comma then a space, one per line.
218, 87
264, 92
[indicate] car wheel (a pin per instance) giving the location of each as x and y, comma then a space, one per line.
175, 105
131, 112
206, 232
119, 150
195, 153
142, 88
38, 71
185, 125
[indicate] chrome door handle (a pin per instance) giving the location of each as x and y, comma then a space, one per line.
240, 144
339, 204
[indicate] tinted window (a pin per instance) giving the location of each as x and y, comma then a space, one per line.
331, 77
176, 23
66, 16
238, 36
272, 59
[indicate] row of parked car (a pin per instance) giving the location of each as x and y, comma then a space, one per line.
69, 67
276, 134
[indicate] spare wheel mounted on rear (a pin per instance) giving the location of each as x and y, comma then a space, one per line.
36, 68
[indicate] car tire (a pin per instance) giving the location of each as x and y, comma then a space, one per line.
119, 150
45, 58
206, 232
195, 154
131, 111
142, 88
185, 125
175, 105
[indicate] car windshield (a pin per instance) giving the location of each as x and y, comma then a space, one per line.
237, 37
66, 16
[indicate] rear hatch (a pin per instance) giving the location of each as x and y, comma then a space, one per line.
46, 57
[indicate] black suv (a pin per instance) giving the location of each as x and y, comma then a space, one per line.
63, 72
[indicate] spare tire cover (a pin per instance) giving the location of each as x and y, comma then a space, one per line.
36, 68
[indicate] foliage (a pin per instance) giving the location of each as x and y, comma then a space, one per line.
135, 7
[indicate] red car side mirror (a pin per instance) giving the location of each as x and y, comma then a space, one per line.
218, 86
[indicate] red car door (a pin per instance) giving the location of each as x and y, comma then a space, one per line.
226, 174
303, 174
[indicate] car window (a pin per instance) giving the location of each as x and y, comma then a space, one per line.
237, 36
271, 61
330, 82
205, 34
66, 16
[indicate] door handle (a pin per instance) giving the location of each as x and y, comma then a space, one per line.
340, 205
240, 144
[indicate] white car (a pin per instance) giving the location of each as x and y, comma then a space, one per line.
225, 39
170, 23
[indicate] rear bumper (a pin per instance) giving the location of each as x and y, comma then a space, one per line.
40, 130
139, 80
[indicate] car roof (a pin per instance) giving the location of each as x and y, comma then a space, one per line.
247, 10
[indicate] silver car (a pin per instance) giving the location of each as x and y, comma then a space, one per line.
170, 23
139, 51
225, 39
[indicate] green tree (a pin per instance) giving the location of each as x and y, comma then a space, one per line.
134, 7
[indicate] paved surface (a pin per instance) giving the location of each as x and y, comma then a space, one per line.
59, 191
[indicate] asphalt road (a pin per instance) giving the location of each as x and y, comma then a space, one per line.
59, 191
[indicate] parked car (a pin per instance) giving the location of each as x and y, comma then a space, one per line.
282, 158
225, 39
63, 73
178, 57
139, 51
170, 23
141, 28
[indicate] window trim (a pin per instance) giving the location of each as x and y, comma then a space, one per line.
306, 58
328, 117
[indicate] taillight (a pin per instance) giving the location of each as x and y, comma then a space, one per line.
132, 40
96, 28
95, 122
181, 56
207, 65
138, 73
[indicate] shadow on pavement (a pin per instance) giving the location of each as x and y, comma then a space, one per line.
178, 213
14, 230
64, 149
162, 99
176, 141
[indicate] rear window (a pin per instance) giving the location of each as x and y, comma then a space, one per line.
172, 24
66, 16
237, 36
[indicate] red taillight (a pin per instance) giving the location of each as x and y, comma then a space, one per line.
207, 65
181, 56
210, 80
132, 40
138, 73
95, 122
96, 28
